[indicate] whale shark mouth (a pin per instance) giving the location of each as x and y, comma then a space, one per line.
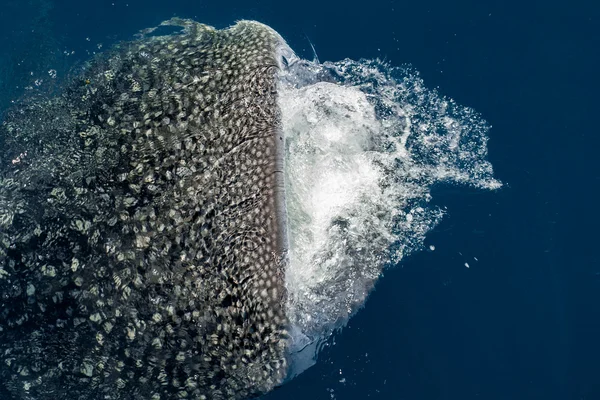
197, 212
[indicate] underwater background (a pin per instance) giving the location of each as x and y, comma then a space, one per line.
522, 321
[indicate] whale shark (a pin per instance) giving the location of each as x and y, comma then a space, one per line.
195, 213
143, 227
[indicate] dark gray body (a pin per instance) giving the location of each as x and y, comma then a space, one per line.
142, 226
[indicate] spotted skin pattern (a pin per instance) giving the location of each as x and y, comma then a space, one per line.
142, 226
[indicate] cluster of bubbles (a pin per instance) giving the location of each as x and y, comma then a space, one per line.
365, 144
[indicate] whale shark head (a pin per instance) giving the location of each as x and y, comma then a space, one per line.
142, 225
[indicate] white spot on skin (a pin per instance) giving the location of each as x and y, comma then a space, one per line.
74, 264
95, 317
87, 369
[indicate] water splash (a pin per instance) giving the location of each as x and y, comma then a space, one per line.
365, 144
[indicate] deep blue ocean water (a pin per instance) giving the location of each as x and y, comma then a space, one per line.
523, 322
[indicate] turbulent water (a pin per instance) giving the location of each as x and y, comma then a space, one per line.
365, 143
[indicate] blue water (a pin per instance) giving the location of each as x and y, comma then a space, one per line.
523, 322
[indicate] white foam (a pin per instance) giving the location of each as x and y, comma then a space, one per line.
364, 145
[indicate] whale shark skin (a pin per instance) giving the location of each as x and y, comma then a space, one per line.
142, 225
